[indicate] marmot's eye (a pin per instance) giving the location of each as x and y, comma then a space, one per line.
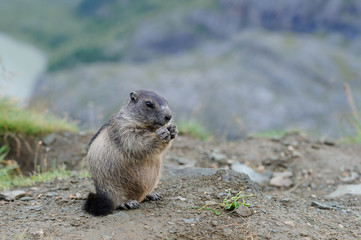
149, 104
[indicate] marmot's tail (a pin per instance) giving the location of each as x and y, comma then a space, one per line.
98, 204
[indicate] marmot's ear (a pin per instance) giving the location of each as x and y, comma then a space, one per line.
134, 96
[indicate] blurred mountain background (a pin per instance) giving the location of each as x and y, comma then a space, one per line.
235, 66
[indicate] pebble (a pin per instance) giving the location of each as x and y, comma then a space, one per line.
184, 162
280, 181
322, 205
351, 177
227, 231
214, 223
255, 176
283, 174
51, 194
50, 138
244, 211
189, 220
346, 189
290, 223
35, 207
217, 156
12, 195
26, 198
220, 195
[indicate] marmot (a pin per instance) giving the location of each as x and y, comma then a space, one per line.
124, 157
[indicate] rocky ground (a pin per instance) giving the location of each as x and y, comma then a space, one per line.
306, 189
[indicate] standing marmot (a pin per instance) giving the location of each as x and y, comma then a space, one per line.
124, 157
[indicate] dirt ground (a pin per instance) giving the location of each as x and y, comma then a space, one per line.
292, 201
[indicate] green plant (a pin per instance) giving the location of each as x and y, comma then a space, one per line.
193, 128
230, 203
14, 119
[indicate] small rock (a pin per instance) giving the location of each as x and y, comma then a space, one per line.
329, 143
346, 189
280, 181
227, 231
184, 162
50, 138
181, 198
51, 194
37, 233
283, 174
285, 201
255, 176
218, 157
72, 197
12, 195
26, 198
35, 207
189, 220
171, 223
289, 223
244, 211
214, 223
351, 177
322, 205
220, 195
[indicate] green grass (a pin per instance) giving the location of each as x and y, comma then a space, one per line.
193, 128
230, 203
14, 119
9, 178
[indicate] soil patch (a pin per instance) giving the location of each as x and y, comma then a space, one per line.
197, 173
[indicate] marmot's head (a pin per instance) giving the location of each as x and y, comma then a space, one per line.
148, 108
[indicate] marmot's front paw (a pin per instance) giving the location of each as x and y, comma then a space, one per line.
164, 134
172, 128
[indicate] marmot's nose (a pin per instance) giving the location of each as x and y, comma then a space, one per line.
168, 117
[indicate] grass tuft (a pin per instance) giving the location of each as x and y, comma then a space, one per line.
193, 128
14, 119
230, 203
8, 178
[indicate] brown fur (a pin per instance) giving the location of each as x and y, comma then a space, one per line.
125, 156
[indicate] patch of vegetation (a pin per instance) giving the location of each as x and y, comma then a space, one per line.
14, 119
9, 177
193, 128
230, 203
276, 134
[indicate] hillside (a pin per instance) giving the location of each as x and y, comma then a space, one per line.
254, 81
